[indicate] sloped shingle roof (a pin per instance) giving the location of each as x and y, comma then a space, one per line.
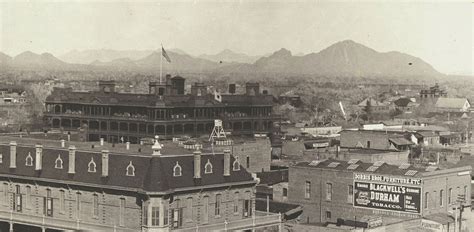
152, 173
454, 103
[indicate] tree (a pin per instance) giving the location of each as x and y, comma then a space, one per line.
368, 109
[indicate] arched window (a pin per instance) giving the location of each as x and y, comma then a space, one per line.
58, 164
130, 169
236, 164
177, 170
92, 166
208, 167
29, 160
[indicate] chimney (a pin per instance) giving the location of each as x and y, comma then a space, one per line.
72, 160
156, 147
226, 162
39, 157
63, 143
197, 164
101, 141
13, 154
127, 145
232, 88
105, 163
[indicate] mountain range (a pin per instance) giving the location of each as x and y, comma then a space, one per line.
106, 55
345, 58
230, 56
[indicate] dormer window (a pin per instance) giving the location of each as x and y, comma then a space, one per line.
208, 167
130, 169
58, 164
92, 166
177, 170
29, 160
236, 164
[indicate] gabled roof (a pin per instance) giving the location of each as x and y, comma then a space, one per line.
402, 102
426, 134
400, 141
453, 103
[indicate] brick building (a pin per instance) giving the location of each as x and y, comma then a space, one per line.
333, 191
166, 111
48, 185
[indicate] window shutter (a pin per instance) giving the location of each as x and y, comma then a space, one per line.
44, 206
180, 217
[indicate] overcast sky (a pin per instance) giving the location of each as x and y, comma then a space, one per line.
439, 32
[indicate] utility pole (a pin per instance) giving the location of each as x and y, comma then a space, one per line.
461, 200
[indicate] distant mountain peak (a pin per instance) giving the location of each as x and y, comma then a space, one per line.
230, 56
283, 52
344, 58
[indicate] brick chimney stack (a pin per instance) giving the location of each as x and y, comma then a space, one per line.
13, 154
226, 162
197, 164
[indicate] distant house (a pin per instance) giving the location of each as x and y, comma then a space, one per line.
450, 139
380, 140
290, 98
405, 105
427, 138
11, 94
375, 106
452, 105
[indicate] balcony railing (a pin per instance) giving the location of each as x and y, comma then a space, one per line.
56, 223
243, 224
146, 119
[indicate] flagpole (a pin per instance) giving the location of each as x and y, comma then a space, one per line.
161, 63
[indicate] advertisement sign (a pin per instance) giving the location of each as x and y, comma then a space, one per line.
387, 193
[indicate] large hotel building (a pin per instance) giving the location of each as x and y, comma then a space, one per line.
166, 111
52, 185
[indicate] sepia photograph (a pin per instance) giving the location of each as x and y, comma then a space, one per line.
237, 115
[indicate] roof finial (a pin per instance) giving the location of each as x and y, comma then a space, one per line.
156, 146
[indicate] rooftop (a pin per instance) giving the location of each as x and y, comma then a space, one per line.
169, 148
359, 166
446, 102
128, 171
67, 95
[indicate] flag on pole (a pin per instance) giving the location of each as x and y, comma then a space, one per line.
165, 55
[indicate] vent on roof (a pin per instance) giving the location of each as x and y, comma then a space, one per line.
404, 166
431, 168
315, 162
411, 173
372, 168
333, 164
379, 163
353, 161
352, 167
